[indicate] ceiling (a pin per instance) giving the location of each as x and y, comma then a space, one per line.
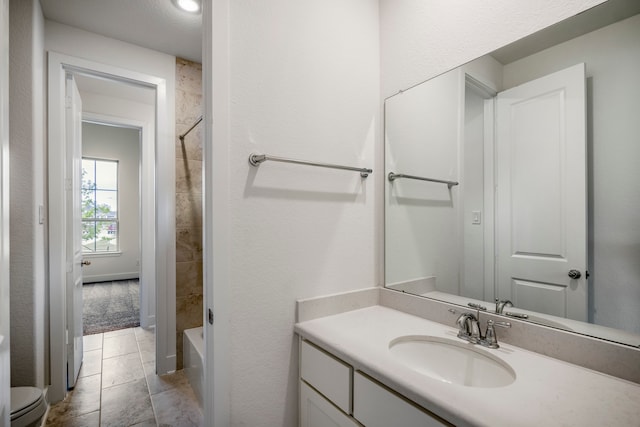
115, 89
154, 24
592, 19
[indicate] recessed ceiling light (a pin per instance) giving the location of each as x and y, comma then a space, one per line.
191, 6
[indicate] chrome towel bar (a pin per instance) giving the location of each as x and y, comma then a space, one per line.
393, 176
256, 159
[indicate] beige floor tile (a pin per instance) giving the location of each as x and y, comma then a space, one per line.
178, 407
119, 345
148, 423
118, 393
117, 333
158, 384
148, 334
91, 363
83, 399
92, 342
88, 420
121, 369
126, 405
147, 349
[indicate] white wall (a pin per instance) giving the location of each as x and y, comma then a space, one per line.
422, 134
422, 38
612, 57
472, 269
121, 144
303, 83
27, 148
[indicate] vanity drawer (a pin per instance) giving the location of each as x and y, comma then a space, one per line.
375, 406
316, 411
328, 375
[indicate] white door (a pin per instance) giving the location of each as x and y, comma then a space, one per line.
73, 181
541, 195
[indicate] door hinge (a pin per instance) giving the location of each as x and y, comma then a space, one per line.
210, 317
67, 102
68, 184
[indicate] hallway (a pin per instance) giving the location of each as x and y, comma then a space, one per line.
117, 386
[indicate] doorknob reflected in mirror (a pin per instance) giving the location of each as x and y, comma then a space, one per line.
85, 262
575, 274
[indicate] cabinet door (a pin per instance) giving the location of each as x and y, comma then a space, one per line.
375, 406
316, 411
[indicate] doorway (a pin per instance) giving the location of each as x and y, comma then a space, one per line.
111, 223
157, 232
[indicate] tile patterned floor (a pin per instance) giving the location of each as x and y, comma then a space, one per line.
117, 386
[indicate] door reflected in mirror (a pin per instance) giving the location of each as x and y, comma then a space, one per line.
523, 181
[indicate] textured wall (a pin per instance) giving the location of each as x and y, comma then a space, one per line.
188, 200
304, 84
27, 148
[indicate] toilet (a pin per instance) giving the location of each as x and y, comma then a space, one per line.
27, 406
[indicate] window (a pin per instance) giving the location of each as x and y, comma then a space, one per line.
99, 206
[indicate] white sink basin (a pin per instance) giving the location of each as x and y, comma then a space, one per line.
451, 361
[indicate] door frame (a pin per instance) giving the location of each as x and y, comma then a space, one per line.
163, 213
488, 94
5, 367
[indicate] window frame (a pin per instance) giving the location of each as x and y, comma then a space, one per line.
94, 219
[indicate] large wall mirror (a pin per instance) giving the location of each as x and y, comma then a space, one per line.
512, 183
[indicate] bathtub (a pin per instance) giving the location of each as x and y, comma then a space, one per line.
193, 360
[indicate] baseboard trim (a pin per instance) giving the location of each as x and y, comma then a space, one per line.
149, 322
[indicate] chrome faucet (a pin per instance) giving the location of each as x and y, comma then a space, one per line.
501, 304
469, 330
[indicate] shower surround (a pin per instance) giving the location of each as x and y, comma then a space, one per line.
188, 201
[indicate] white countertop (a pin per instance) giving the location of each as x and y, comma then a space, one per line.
545, 392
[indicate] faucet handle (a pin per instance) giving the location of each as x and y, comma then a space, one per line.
477, 306
490, 338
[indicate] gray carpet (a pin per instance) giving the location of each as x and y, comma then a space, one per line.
109, 306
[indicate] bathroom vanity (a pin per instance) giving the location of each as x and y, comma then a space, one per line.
379, 366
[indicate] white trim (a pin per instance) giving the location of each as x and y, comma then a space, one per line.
215, 68
489, 199
164, 209
101, 254
5, 367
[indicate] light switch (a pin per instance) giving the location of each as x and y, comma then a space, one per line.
476, 217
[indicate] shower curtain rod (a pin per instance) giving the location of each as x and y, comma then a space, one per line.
190, 129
